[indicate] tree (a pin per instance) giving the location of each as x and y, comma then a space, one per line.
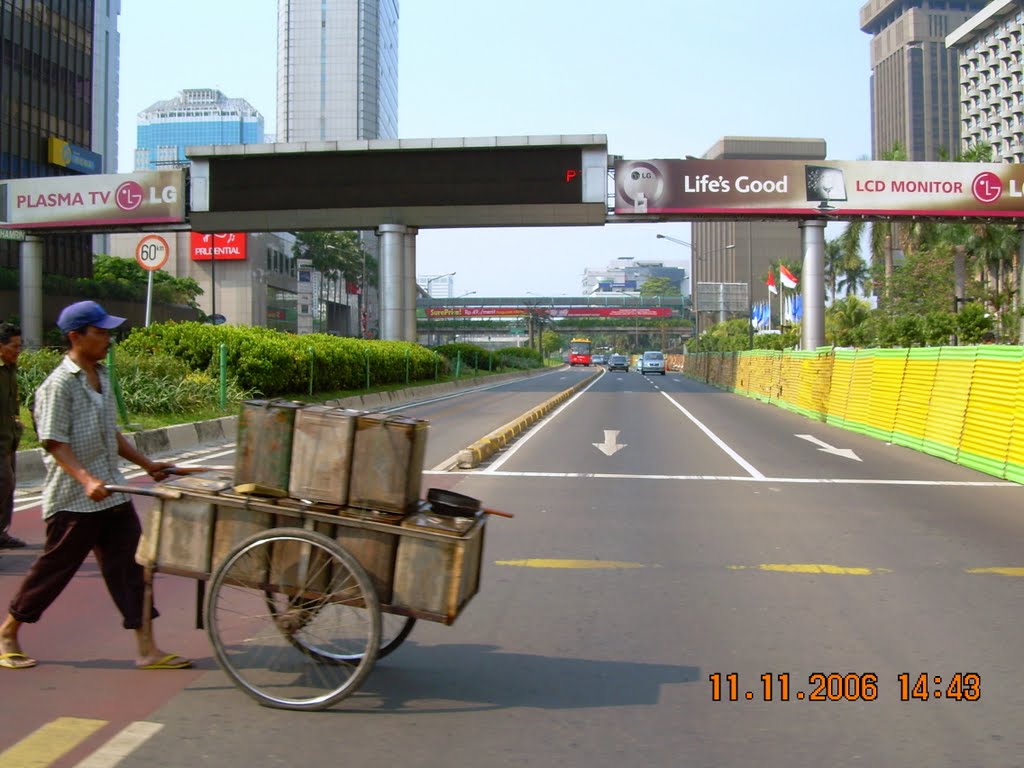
659, 286
337, 256
133, 280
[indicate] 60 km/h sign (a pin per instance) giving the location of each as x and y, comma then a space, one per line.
152, 252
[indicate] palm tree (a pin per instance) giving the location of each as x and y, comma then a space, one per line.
833, 265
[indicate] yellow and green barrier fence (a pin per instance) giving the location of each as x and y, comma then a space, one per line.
962, 404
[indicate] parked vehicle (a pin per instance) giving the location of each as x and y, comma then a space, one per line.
652, 361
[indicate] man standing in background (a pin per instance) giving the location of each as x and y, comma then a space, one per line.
10, 429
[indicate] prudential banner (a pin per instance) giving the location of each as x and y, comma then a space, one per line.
794, 189
91, 201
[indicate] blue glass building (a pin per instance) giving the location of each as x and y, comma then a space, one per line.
197, 116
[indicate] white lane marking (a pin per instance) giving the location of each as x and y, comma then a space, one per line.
536, 428
460, 393
717, 441
120, 746
824, 447
746, 479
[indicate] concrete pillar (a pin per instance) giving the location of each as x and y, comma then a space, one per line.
31, 269
392, 248
409, 284
812, 279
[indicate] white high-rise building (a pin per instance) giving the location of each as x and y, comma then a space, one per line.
337, 70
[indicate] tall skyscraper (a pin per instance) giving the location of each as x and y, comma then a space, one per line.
337, 70
196, 116
914, 80
58, 82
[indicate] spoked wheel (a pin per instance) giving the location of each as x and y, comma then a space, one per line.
293, 619
393, 631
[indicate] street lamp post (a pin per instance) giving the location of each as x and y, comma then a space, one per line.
693, 289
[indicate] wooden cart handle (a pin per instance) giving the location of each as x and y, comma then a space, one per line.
194, 470
496, 512
139, 490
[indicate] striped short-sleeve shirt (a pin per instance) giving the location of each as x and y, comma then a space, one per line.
69, 411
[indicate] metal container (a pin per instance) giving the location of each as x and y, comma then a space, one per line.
176, 537
322, 454
232, 524
436, 574
264, 452
387, 462
375, 551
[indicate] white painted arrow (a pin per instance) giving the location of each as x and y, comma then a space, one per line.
611, 445
846, 453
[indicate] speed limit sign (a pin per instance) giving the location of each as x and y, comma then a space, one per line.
152, 252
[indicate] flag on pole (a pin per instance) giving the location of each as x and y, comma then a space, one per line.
788, 278
771, 282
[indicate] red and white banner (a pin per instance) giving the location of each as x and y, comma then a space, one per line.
651, 312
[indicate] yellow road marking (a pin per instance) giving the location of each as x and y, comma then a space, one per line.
44, 745
999, 571
577, 564
810, 568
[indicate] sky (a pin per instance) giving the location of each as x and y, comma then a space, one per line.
660, 79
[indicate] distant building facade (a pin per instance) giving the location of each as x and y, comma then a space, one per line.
756, 245
915, 99
990, 53
628, 275
58, 82
195, 117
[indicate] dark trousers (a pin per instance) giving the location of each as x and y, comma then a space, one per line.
112, 536
7, 482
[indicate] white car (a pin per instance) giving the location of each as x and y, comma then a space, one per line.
651, 362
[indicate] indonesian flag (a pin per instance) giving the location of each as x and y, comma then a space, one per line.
771, 282
787, 277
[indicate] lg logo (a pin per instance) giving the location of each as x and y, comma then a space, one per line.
130, 195
987, 187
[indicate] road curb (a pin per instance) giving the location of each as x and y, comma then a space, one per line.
31, 467
475, 454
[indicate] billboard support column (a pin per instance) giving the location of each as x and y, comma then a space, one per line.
1020, 284
392, 239
409, 284
31, 269
812, 233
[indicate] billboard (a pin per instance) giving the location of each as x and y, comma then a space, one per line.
631, 312
229, 246
801, 189
95, 200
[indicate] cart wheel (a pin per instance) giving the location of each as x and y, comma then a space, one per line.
393, 631
285, 601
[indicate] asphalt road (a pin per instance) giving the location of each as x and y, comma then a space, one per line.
674, 547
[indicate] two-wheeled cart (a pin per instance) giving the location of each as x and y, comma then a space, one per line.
299, 602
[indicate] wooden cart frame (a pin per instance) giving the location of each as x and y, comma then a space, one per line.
298, 603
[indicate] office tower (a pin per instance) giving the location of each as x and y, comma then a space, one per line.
337, 70
914, 81
337, 80
195, 117
58, 81
990, 51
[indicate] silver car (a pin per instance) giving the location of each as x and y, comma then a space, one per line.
652, 362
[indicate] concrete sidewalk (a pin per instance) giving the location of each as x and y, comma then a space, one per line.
166, 441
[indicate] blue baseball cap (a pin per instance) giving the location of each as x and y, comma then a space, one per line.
85, 313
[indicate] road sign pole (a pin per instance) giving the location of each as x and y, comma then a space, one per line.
149, 297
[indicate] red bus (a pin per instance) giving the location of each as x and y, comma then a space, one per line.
579, 352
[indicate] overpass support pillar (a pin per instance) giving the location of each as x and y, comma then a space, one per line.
392, 292
31, 268
409, 284
812, 279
